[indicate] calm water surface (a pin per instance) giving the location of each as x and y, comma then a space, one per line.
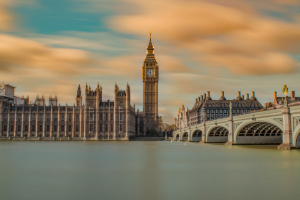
146, 170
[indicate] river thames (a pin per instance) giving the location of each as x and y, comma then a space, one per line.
146, 170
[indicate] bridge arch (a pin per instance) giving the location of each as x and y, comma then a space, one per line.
259, 132
296, 136
217, 133
196, 136
185, 136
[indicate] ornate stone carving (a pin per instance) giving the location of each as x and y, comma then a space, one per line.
296, 122
280, 120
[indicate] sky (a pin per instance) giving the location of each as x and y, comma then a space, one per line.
50, 47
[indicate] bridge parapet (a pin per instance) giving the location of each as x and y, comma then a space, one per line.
264, 127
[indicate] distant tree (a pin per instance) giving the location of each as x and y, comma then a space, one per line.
152, 133
171, 127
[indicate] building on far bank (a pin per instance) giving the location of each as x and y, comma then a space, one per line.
279, 101
206, 109
90, 117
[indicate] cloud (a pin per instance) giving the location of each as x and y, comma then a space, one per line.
266, 64
218, 35
21, 53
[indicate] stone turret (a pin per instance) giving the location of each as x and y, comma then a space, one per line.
78, 96
91, 95
26, 100
40, 101
52, 101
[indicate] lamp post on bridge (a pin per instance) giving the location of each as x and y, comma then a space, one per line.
285, 91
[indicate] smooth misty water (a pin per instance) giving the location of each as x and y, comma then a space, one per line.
146, 170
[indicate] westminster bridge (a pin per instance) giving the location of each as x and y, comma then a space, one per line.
276, 126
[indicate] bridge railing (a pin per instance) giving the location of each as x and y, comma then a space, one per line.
254, 111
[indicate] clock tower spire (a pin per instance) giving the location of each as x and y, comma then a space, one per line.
150, 89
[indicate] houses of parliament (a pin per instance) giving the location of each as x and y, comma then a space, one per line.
91, 119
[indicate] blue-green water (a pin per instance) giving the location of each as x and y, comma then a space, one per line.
146, 170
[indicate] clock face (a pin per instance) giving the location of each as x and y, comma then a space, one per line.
150, 72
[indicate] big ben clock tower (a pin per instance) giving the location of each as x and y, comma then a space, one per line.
150, 89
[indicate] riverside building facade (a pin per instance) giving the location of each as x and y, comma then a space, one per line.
90, 118
206, 109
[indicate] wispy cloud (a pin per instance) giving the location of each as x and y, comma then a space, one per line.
218, 35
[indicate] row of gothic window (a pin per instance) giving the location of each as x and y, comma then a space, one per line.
40, 127
62, 117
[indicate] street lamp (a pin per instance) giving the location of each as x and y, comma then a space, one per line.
285, 90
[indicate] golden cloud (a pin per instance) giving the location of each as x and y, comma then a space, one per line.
218, 35
20, 52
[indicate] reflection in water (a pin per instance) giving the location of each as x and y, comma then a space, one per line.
146, 170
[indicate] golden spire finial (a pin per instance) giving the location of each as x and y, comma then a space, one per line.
150, 48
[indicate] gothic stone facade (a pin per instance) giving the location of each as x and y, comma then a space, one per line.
95, 119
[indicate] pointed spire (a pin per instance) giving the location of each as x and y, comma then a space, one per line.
150, 48
79, 87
